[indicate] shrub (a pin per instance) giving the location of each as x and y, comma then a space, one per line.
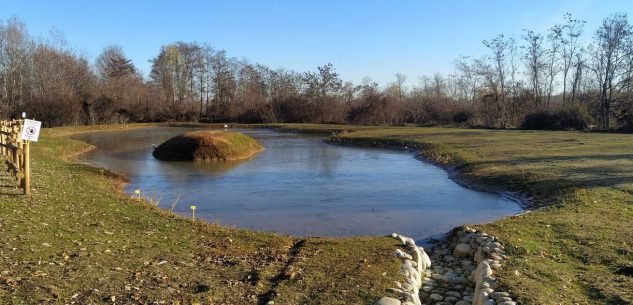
461, 117
537, 120
572, 118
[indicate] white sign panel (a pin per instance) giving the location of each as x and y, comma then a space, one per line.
31, 130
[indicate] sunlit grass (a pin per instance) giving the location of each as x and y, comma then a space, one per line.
79, 239
574, 250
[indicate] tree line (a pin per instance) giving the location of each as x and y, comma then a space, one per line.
553, 74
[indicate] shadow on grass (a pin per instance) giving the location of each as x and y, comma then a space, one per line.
598, 295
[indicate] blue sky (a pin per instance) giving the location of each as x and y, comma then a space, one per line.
360, 38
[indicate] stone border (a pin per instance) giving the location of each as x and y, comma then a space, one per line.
465, 262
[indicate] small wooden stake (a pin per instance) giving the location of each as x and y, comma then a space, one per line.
27, 168
193, 212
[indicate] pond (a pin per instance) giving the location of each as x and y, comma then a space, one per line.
300, 186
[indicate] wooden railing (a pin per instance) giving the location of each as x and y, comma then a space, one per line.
16, 152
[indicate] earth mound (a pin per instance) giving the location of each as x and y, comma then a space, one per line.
208, 145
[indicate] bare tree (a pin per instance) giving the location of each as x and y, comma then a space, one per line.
579, 63
400, 80
499, 46
533, 56
572, 29
609, 54
554, 37
15, 48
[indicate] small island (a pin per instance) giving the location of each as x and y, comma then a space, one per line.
208, 145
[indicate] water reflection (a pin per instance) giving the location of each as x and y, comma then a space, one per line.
301, 186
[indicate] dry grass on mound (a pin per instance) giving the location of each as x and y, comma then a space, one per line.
208, 145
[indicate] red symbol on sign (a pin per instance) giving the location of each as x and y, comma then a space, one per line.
30, 130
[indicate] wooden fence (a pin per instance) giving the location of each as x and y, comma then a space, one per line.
16, 152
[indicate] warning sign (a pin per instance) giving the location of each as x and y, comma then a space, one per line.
31, 130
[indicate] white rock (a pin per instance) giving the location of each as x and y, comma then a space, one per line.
479, 256
407, 287
462, 250
402, 255
483, 270
481, 298
508, 303
499, 294
425, 260
490, 302
495, 266
388, 301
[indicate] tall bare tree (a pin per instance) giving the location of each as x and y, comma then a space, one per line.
534, 57
572, 29
499, 46
609, 54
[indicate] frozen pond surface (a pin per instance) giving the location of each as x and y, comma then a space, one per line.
300, 186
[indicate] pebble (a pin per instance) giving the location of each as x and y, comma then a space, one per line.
508, 303
384, 301
453, 294
450, 299
436, 297
499, 294
462, 250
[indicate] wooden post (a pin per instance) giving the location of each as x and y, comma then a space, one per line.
27, 168
16, 158
2, 142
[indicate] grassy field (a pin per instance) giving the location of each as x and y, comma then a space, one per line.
78, 239
578, 248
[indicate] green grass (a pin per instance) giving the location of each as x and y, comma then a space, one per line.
576, 249
79, 239
78, 235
